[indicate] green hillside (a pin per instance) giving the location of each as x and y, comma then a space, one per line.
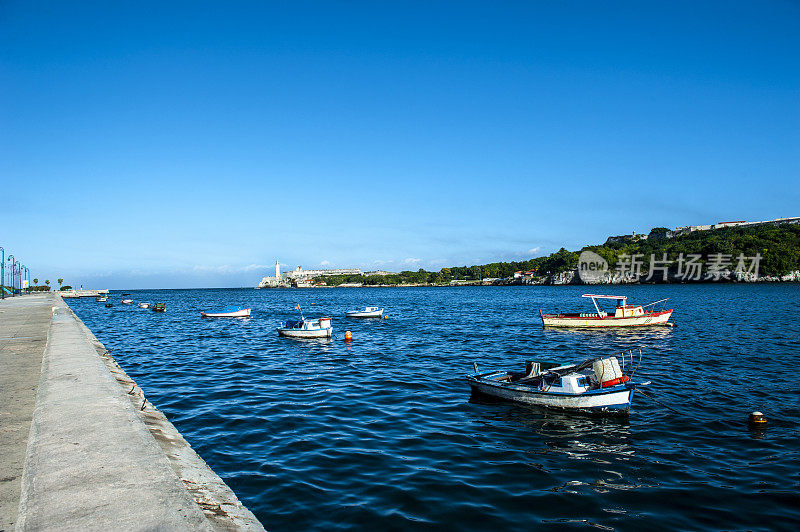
777, 245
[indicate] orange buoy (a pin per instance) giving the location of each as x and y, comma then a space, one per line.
386, 316
348, 336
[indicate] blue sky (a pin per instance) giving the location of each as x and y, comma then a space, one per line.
167, 144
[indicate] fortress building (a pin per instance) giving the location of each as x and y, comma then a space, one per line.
301, 276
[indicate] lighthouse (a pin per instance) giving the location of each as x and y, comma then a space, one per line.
277, 271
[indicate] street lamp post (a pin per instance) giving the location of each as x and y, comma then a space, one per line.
14, 274
12, 261
28, 275
2, 273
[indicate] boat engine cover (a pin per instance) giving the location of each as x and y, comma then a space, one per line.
606, 369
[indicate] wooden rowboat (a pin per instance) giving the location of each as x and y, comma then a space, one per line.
228, 312
369, 312
597, 385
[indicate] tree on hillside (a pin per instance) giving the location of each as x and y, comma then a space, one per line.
475, 272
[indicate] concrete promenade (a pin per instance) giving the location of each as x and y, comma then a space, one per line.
93, 453
24, 322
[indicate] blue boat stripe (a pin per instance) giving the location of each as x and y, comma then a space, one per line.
530, 389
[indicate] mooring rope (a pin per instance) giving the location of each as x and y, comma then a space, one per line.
662, 404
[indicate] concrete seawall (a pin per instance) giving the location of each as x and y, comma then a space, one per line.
100, 456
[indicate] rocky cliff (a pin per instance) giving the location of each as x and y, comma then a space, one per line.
572, 277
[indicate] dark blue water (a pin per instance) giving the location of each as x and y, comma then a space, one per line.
381, 433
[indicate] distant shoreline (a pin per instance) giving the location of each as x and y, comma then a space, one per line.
791, 278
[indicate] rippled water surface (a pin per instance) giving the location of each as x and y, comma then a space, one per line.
381, 433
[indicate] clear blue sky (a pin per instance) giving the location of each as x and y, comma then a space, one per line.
167, 144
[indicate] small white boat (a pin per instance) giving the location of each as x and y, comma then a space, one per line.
624, 315
101, 299
306, 328
144, 305
369, 312
597, 385
127, 301
227, 312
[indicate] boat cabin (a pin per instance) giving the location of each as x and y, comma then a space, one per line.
307, 325
621, 310
572, 383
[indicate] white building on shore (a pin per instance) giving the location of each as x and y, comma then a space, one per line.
301, 277
738, 223
274, 282
300, 273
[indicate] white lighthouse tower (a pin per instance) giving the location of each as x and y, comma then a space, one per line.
277, 271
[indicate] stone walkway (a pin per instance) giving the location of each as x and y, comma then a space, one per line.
24, 322
81, 451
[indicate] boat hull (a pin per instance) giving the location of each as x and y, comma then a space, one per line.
646, 320
244, 313
361, 314
615, 400
306, 333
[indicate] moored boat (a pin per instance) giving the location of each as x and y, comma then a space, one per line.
624, 315
305, 328
144, 305
159, 307
227, 312
127, 301
368, 312
597, 385
101, 299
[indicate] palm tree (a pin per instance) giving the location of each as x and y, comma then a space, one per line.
47, 282
35, 281
60, 282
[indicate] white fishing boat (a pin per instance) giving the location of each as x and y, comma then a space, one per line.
101, 299
369, 312
597, 385
127, 301
144, 305
227, 312
624, 315
305, 328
